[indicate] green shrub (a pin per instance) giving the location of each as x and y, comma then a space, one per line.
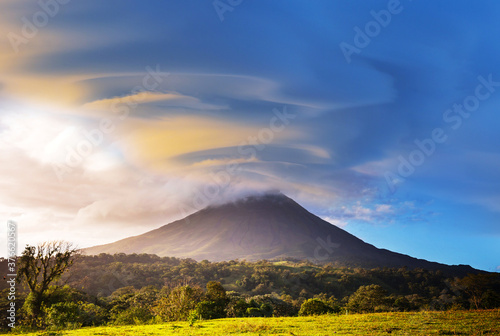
368, 299
237, 308
207, 310
253, 312
63, 315
70, 315
314, 307
177, 305
93, 315
133, 315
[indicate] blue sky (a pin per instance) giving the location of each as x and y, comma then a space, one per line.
381, 117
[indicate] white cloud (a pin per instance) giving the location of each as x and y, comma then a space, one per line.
335, 221
384, 208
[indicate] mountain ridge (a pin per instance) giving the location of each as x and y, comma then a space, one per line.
268, 226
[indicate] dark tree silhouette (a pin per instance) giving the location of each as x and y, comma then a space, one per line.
477, 286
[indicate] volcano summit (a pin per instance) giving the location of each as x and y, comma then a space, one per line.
270, 226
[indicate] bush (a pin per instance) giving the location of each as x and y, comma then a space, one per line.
266, 310
63, 315
314, 307
131, 306
207, 310
177, 305
93, 315
368, 299
133, 315
253, 312
272, 306
237, 308
74, 315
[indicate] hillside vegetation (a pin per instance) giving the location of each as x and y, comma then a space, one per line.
142, 289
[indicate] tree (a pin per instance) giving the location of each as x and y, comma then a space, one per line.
314, 307
177, 305
207, 310
368, 299
215, 303
402, 303
331, 301
131, 306
215, 292
40, 267
478, 287
237, 305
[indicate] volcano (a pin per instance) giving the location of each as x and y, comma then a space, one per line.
270, 226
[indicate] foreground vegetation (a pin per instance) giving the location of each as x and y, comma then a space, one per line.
58, 290
414, 323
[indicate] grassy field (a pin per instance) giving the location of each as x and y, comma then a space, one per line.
422, 323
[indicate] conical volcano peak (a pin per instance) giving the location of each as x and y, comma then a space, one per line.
273, 196
269, 225
272, 200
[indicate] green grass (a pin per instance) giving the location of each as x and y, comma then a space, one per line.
422, 323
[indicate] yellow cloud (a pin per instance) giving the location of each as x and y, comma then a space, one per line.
155, 142
47, 90
36, 86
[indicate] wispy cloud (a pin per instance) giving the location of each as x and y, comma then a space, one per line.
165, 100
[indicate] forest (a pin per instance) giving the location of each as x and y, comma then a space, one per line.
142, 288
